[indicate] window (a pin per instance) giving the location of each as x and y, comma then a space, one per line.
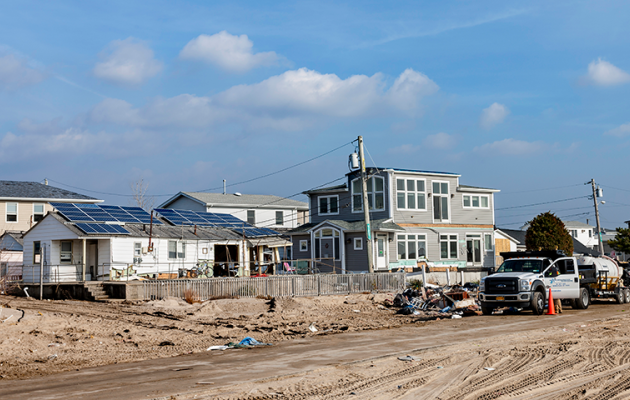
37, 252
375, 194
251, 217
38, 212
12, 212
574, 233
590, 233
448, 247
303, 245
411, 247
279, 218
471, 201
440, 201
358, 243
323, 239
328, 205
410, 194
137, 249
176, 249
65, 256
487, 240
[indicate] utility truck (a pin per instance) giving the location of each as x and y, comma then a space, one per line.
524, 280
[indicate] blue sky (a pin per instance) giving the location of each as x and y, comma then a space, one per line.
527, 97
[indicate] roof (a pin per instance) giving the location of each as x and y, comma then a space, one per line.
516, 234
11, 241
158, 231
581, 249
336, 188
476, 188
356, 226
35, 190
577, 224
247, 200
420, 171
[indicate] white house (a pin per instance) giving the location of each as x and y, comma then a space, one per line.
259, 210
71, 251
583, 233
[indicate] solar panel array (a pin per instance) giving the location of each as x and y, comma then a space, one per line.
102, 228
77, 212
186, 217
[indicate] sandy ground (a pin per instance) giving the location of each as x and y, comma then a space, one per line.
577, 361
56, 336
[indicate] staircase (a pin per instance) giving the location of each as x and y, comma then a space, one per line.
95, 292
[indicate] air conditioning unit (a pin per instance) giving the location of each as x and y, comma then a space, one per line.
145, 250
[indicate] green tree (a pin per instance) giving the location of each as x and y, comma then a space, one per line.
621, 242
547, 232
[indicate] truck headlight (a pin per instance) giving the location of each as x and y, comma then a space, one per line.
525, 285
482, 285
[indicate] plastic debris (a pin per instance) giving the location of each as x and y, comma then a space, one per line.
250, 341
409, 358
357, 311
166, 343
488, 368
312, 327
217, 348
456, 316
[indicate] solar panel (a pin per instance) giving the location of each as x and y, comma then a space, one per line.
79, 212
95, 229
217, 220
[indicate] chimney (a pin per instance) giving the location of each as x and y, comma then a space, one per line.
586, 221
224, 187
46, 182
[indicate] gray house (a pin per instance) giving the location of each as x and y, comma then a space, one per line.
415, 215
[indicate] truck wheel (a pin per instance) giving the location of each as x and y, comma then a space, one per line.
626, 295
619, 297
583, 301
486, 310
538, 303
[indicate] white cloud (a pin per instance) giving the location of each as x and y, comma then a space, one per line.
289, 101
510, 147
15, 72
603, 73
620, 131
127, 62
493, 115
230, 52
441, 140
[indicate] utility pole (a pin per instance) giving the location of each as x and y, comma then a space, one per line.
366, 208
599, 228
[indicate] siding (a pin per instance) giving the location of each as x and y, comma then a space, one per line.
297, 254
184, 203
356, 260
25, 214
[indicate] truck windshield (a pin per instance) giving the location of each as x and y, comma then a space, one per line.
533, 266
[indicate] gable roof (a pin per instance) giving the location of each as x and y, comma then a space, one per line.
18, 190
245, 200
11, 241
515, 234
577, 224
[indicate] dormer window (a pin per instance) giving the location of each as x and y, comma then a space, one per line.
328, 205
375, 194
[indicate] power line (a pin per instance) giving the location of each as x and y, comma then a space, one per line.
538, 204
540, 190
215, 188
530, 213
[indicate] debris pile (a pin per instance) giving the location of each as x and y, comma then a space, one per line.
433, 302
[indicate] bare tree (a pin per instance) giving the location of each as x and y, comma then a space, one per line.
140, 198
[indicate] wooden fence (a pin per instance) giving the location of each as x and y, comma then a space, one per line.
275, 286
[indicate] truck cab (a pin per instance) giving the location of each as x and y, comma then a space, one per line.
524, 280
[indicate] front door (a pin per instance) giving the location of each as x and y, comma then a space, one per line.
473, 250
380, 249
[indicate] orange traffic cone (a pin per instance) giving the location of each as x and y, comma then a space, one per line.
551, 309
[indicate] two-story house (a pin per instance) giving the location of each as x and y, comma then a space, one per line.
23, 204
265, 211
415, 215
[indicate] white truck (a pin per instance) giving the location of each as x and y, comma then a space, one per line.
524, 280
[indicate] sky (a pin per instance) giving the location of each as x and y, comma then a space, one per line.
530, 98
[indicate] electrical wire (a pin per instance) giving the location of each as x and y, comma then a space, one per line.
540, 190
538, 204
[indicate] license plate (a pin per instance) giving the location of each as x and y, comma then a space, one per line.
499, 298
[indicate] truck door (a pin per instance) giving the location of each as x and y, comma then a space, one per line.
562, 278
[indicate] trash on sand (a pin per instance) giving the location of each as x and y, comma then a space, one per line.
166, 343
439, 367
5, 320
312, 327
456, 316
356, 310
409, 358
217, 348
52, 357
53, 344
488, 368
445, 309
26, 292
249, 341
205, 383
465, 303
